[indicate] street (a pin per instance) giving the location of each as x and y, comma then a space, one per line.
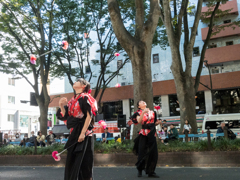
120, 173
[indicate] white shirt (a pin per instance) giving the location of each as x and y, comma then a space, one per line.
187, 127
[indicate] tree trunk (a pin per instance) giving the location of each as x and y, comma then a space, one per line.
186, 98
43, 119
142, 79
138, 47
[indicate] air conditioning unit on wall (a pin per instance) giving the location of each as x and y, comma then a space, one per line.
216, 70
226, 70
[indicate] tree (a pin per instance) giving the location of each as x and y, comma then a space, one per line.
75, 19
26, 28
176, 22
137, 44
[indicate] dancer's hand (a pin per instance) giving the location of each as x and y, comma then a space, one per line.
81, 137
146, 110
63, 102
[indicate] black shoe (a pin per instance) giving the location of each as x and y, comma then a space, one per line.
153, 175
139, 173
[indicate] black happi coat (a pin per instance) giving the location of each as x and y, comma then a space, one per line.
145, 147
79, 161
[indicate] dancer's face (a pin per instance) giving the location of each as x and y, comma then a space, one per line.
142, 105
78, 86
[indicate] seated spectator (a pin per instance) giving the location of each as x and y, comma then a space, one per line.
163, 135
25, 139
105, 135
6, 140
173, 133
50, 137
41, 139
31, 140
164, 124
231, 135
187, 127
18, 139
221, 129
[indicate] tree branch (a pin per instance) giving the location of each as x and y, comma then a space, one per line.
139, 18
198, 75
196, 23
117, 24
153, 18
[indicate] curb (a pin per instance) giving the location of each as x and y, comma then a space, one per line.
169, 159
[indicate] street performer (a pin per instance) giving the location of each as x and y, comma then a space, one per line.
145, 144
79, 115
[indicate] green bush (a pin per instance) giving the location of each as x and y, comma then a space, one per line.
127, 146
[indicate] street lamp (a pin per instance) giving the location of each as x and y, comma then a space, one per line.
210, 77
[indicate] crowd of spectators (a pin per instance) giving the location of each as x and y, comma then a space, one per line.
39, 140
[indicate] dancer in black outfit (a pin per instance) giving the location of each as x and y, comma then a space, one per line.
145, 144
79, 113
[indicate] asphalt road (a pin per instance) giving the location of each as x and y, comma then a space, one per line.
120, 173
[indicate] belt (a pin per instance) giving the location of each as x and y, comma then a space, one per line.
145, 126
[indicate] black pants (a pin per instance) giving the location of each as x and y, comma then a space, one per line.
172, 139
165, 140
147, 155
79, 166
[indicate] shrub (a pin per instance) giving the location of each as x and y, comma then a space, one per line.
127, 146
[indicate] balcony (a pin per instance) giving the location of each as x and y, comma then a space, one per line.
227, 6
223, 54
226, 32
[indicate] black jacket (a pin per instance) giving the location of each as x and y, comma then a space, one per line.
76, 123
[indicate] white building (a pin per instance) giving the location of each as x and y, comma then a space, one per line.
14, 115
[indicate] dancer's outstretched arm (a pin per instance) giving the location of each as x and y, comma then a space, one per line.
85, 127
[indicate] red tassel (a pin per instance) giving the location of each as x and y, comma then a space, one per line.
65, 45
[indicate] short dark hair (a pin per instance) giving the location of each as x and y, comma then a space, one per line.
138, 104
164, 120
172, 124
85, 82
106, 128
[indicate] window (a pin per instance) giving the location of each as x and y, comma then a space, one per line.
87, 69
123, 84
227, 101
216, 70
227, 21
212, 46
119, 64
11, 99
10, 117
11, 81
229, 43
196, 51
174, 104
112, 109
155, 58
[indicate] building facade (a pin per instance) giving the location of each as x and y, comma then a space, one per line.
222, 70
14, 115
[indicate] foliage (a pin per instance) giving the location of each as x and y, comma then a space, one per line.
26, 28
127, 146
